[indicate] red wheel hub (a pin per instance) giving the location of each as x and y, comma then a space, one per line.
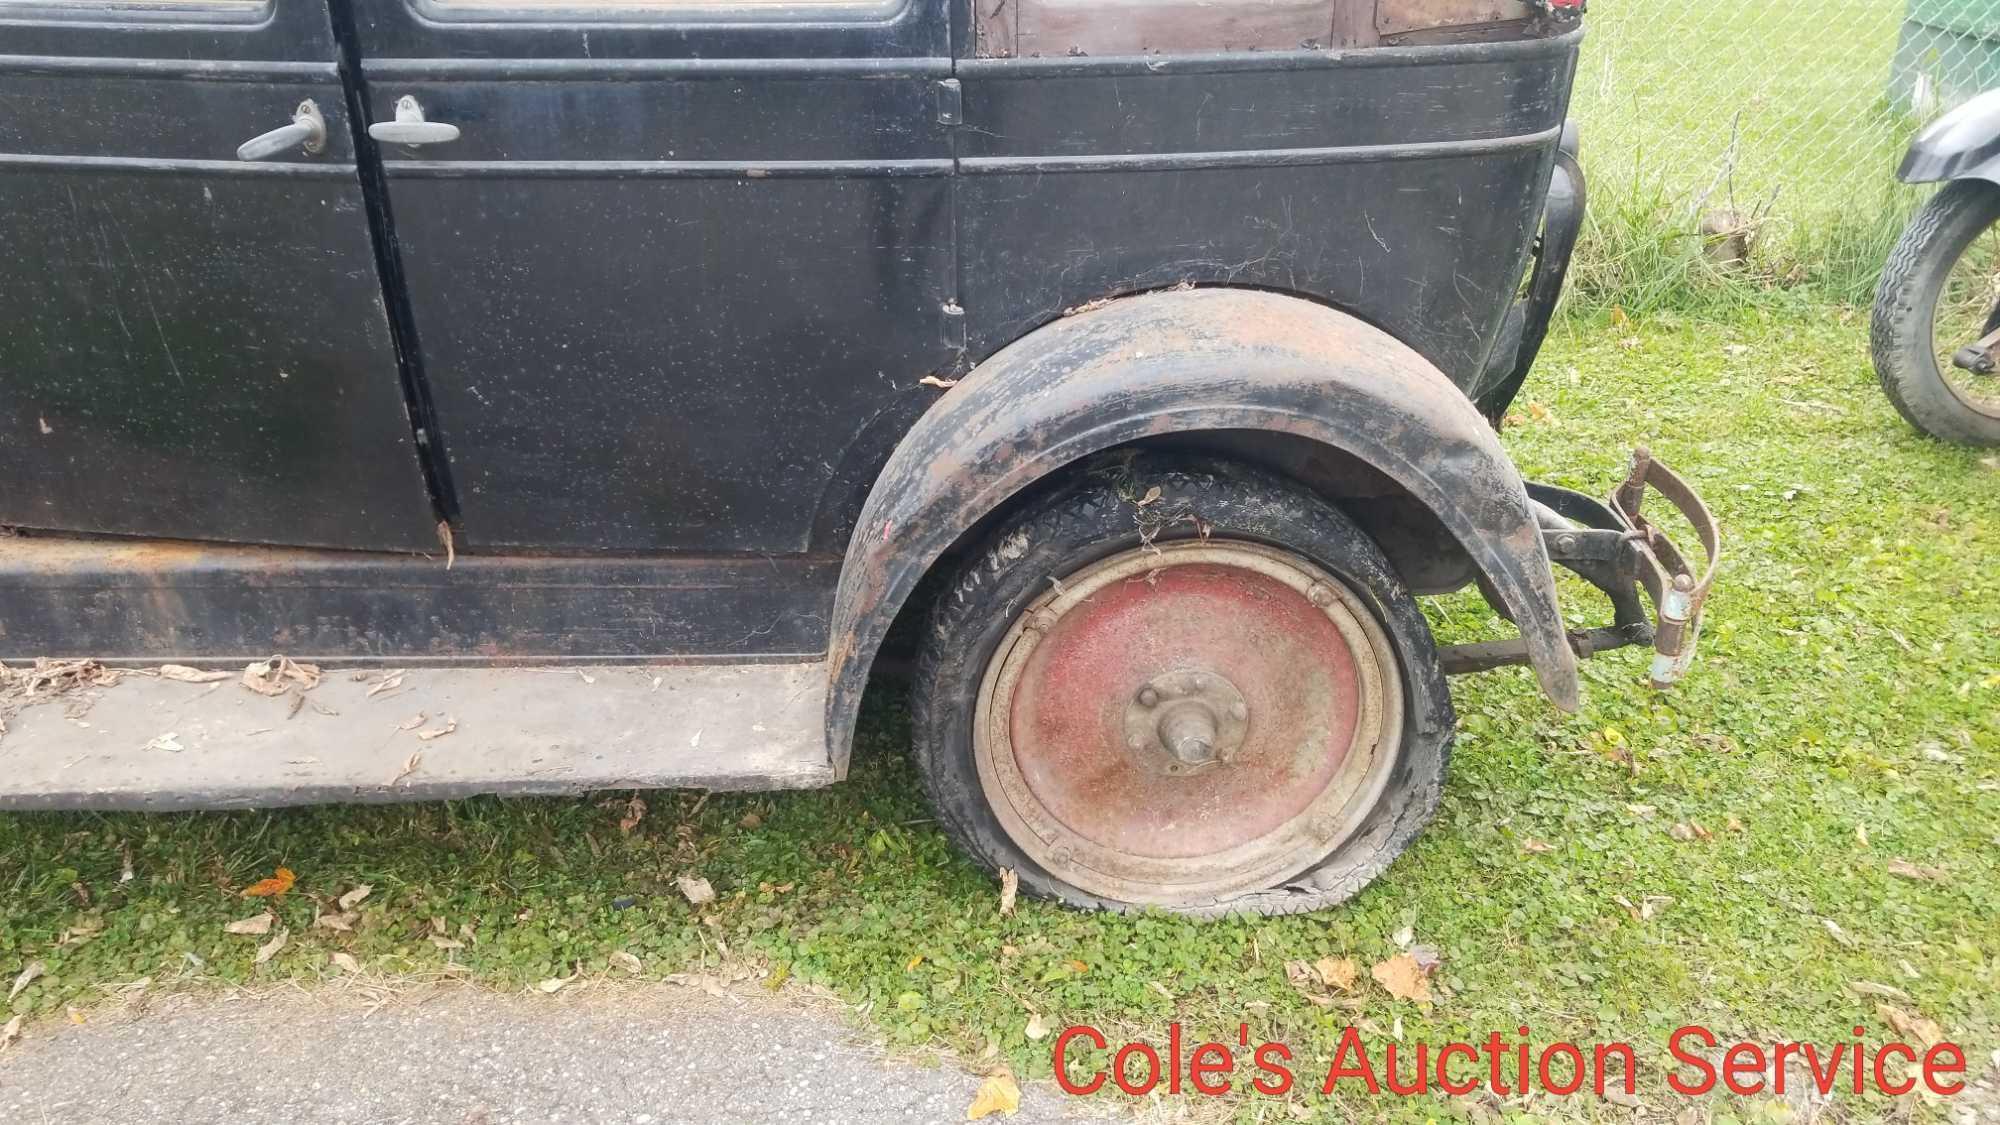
1188, 720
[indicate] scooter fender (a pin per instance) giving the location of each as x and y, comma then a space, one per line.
1964, 144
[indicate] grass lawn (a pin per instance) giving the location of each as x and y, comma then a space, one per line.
1776, 111
1724, 855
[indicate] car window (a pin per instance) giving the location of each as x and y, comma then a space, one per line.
616, 8
211, 8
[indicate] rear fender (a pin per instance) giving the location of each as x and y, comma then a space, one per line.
1177, 362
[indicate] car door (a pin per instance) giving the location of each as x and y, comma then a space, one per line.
192, 345
672, 267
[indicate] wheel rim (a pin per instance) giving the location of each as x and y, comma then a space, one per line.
1968, 307
1187, 722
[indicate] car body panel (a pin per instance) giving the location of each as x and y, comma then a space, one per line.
195, 345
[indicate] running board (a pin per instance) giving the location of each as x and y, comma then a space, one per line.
147, 742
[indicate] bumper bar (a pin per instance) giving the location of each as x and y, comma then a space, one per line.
1615, 548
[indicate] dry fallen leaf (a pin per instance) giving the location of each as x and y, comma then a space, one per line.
409, 767
279, 675
342, 922
1427, 958
280, 882
1010, 886
1341, 973
1537, 847
257, 925
696, 888
28, 974
635, 811
169, 742
1305, 980
628, 962
553, 984
1920, 871
355, 897
1839, 935
1924, 1033
1873, 988
389, 682
1038, 1028
934, 381
186, 675
443, 942
450, 724
1403, 978
346, 963
11, 1032
413, 722
270, 948
997, 1094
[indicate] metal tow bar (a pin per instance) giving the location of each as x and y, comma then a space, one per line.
1678, 594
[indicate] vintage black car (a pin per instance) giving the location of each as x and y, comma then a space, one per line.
602, 381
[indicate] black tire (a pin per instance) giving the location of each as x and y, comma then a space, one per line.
1090, 516
1902, 336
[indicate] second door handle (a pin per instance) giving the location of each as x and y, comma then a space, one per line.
410, 128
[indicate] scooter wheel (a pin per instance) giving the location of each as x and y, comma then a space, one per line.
1940, 292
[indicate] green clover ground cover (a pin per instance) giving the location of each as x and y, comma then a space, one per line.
1723, 855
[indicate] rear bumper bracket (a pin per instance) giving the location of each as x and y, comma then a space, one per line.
1615, 548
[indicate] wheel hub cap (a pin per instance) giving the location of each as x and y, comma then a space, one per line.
1184, 722
1193, 719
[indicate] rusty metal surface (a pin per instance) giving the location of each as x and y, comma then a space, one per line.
1281, 673
1616, 549
147, 601
1173, 362
1054, 28
1395, 17
1135, 27
1677, 592
152, 743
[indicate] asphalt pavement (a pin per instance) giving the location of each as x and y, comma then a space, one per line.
458, 1055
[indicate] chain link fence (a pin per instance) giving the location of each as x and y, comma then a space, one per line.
1767, 130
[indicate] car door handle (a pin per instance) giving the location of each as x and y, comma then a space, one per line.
307, 132
410, 128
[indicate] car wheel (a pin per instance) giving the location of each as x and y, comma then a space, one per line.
1187, 686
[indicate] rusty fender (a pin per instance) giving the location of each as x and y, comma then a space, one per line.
1177, 362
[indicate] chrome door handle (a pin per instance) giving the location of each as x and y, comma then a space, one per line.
307, 132
410, 128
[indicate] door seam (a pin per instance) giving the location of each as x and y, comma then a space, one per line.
418, 403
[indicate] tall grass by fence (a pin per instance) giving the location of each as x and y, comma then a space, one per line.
1765, 128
